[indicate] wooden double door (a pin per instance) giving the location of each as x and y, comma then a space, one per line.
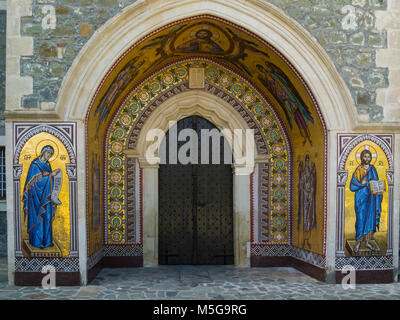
195, 206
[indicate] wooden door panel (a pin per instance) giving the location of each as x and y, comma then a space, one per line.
175, 215
195, 208
215, 219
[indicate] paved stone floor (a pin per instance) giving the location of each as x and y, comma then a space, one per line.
201, 282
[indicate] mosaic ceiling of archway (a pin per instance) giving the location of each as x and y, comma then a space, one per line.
225, 43
245, 54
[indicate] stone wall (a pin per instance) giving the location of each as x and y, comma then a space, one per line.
3, 215
55, 49
347, 31
389, 20
3, 19
345, 28
3, 234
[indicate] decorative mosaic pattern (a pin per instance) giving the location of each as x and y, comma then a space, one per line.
289, 251
95, 258
133, 250
132, 201
308, 256
124, 130
123, 250
270, 215
269, 250
365, 263
260, 204
36, 264
66, 134
63, 131
263, 202
347, 143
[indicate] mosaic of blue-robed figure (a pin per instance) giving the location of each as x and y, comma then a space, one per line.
367, 205
37, 203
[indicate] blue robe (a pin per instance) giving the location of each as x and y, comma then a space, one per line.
38, 206
367, 205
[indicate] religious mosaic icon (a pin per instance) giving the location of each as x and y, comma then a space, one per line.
306, 196
225, 43
202, 38
202, 42
283, 90
368, 191
124, 76
40, 200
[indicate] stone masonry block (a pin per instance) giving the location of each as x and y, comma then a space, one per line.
394, 38
22, 85
20, 7
387, 20
393, 5
20, 47
386, 58
394, 77
13, 65
16, 88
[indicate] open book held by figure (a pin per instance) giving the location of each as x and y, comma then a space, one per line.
368, 194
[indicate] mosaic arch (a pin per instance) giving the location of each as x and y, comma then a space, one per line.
242, 52
226, 43
123, 207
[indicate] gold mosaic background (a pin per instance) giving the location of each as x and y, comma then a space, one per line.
222, 79
381, 165
61, 223
233, 47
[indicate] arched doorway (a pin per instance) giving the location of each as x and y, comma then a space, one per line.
269, 207
252, 94
195, 198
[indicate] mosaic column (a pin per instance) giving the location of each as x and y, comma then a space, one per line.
132, 219
390, 178
17, 209
341, 183
261, 204
71, 171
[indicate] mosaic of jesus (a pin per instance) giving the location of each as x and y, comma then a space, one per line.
367, 201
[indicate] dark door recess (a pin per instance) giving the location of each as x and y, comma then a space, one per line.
195, 206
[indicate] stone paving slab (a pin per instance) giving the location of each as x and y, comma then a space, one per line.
200, 283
